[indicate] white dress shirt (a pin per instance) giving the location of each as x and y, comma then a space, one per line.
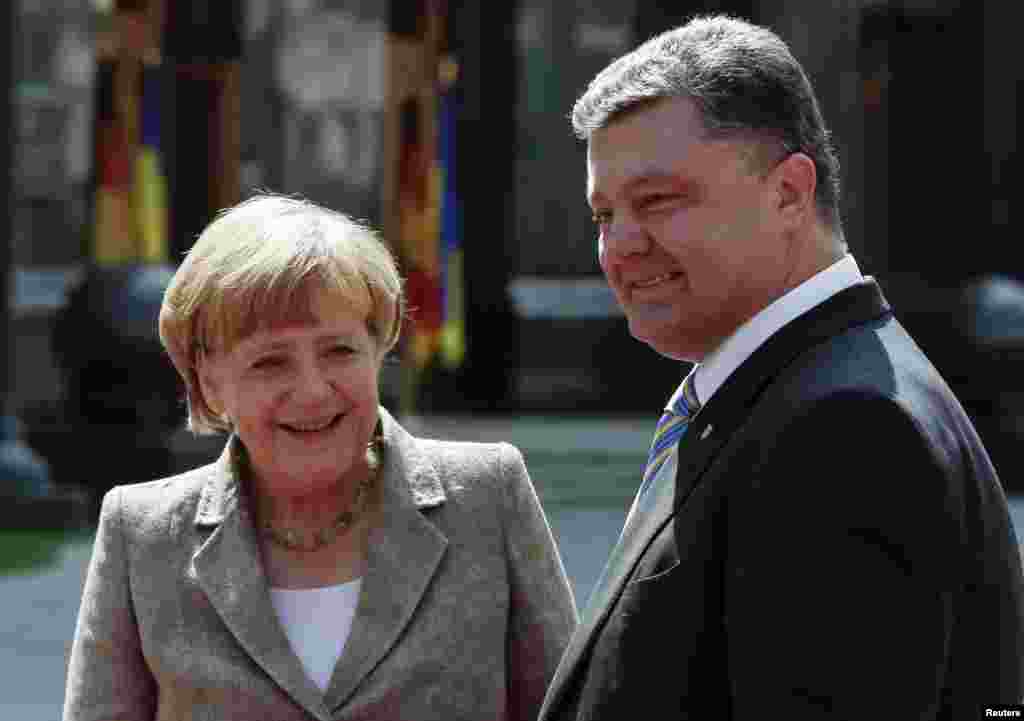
317, 622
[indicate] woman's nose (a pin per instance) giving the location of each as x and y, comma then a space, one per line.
315, 382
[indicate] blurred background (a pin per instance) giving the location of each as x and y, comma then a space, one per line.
130, 123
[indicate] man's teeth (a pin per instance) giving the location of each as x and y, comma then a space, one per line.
312, 426
653, 281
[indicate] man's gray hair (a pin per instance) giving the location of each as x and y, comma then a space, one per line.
744, 82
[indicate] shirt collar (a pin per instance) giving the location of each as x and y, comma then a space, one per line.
713, 371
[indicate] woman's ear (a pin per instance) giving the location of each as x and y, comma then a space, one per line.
209, 383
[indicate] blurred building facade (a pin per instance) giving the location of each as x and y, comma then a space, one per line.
924, 111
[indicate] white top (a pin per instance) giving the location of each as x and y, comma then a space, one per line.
720, 363
317, 622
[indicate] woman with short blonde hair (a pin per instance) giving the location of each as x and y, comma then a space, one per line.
245, 268
328, 565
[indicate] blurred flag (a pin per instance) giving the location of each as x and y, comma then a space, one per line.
453, 323
113, 217
150, 182
431, 235
130, 203
419, 199
422, 214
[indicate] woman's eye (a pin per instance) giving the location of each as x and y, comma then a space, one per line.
268, 363
601, 217
342, 350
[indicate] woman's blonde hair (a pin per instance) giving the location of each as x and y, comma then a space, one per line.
253, 266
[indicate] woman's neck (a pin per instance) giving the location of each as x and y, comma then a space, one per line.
307, 565
313, 507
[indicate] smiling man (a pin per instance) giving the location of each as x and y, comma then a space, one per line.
819, 532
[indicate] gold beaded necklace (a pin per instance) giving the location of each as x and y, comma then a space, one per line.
301, 540
294, 539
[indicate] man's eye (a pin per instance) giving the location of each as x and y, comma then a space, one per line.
656, 202
342, 350
601, 217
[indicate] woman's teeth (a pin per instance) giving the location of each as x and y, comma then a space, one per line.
310, 427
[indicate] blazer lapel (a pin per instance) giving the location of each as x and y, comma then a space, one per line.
405, 551
229, 570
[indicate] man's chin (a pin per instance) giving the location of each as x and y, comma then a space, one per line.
666, 340
661, 343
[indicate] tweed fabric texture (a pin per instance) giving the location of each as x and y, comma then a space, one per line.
464, 612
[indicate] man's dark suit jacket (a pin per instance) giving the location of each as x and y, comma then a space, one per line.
837, 546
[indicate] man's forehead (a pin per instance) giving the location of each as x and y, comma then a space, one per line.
615, 165
627, 161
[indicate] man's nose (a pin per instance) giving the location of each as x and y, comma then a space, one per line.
623, 237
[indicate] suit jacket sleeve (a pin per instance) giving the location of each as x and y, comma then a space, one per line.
838, 598
107, 674
542, 610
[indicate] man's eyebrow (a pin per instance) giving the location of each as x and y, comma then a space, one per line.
657, 177
653, 176
644, 178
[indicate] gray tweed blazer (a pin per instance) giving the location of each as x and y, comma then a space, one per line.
464, 613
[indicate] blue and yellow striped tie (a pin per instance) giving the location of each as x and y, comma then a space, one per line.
670, 429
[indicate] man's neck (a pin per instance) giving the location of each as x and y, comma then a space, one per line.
718, 365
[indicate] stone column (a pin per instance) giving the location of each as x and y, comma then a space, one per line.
7, 17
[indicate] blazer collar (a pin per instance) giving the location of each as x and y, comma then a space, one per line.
229, 569
405, 550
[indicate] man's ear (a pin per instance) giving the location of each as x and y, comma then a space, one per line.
797, 180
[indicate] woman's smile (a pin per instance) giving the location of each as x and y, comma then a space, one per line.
312, 426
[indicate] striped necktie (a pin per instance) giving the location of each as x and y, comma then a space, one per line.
670, 429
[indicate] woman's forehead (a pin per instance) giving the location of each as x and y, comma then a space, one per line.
285, 334
305, 309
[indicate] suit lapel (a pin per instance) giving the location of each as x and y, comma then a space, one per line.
230, 571
730, 406
706, 435
405, 551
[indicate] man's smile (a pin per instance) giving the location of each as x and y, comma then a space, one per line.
656, 280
